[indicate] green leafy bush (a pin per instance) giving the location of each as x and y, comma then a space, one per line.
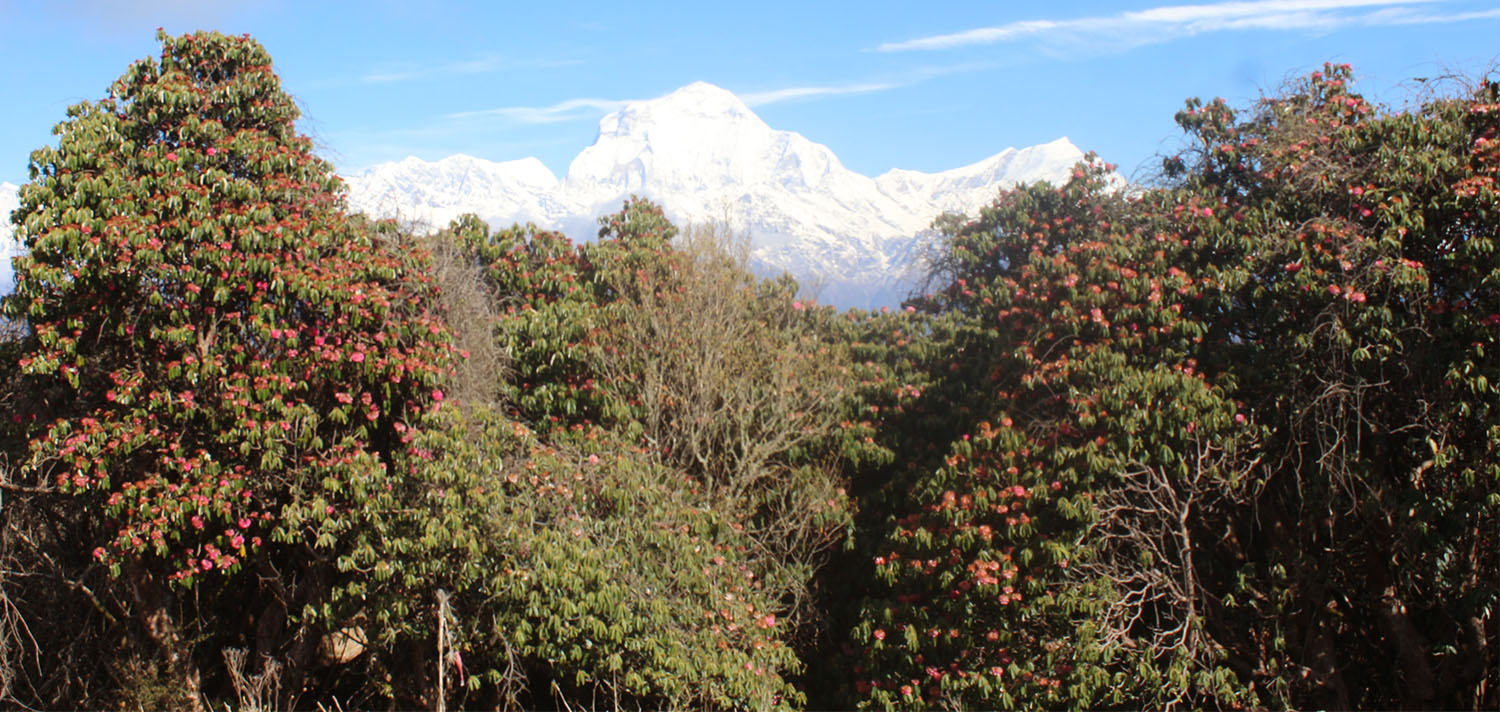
223, 365
1225, 441
583, 571
1216, 440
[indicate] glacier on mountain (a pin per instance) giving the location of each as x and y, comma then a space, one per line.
705, 156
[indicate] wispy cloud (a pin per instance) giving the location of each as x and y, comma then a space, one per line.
480, 65
761, 98
1403, 16
591, 107
1133, 29
561, 111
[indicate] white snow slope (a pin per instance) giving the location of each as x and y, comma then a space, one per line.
704, 156
10, 199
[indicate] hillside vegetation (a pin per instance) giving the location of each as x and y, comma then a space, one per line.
1230, 440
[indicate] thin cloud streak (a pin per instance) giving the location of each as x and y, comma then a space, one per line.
1406, 18
590, 107
1159, 24
483, 65
763, 98
561, 111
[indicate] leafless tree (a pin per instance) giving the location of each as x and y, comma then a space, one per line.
1145, 539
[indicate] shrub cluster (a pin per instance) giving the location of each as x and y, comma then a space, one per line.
1229, 440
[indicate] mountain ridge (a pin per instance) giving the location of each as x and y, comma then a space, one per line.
705, 156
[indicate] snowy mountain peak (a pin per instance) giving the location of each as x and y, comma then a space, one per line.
705, 156
700, 137
966, 187
699, 100
698, 104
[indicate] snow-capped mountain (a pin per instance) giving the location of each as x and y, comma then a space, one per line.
437, 192
10, 199
705, 156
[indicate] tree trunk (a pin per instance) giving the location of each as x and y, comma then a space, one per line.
153, 603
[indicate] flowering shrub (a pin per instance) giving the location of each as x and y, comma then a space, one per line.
1181, 421
223, 362
1229, 441
694, 395
575, 571
997, 586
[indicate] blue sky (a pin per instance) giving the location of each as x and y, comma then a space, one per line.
918, 85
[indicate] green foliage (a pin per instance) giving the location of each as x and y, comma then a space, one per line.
731, 381
1222, 442
219, 346
549, 311
222, 363
1066, 384
1228, 441
588, 571
701, 403
1356, 317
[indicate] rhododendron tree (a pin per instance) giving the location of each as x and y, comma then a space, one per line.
1226, 441
548, 314
1357, 271
1009, 572
573, 571
224, 365
725, 394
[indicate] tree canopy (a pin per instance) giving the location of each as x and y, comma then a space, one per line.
1228, 439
